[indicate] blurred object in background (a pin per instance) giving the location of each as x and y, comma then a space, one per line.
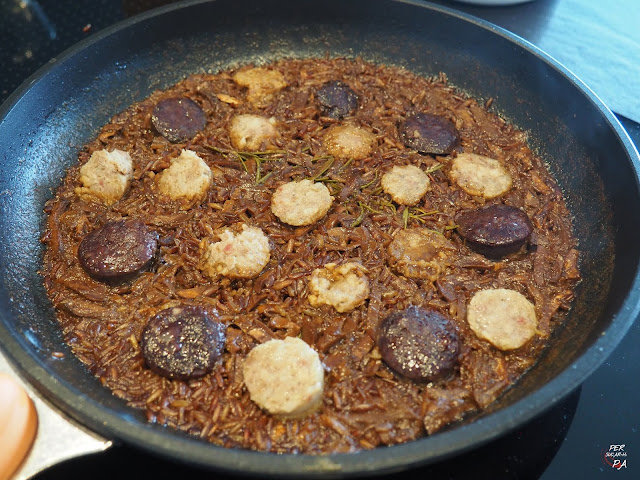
34, 32
133, 7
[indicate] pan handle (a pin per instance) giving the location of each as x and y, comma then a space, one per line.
58, 438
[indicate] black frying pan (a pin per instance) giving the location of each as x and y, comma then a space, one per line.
44, 124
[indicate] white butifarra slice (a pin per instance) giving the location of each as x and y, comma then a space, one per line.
284, 377
480, 176
106, 177
349, 142
420, 253
405, 184
261, 83
344, 287
252, 133
505, 318
187, 179
301, 203
237, 256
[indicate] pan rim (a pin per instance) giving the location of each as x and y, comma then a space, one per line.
377, 461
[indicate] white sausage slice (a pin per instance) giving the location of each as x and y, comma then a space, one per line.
252, 132
106, 177
503, 317
349, 141
420, 253
344, 287
301, 203
187, 179
262, 84
237, 256
480, 176
284, 377
405, 184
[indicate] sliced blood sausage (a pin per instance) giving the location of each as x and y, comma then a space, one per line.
182, 342
337, 99
429, 134
419, 344
178, 119
118, 250
496, 230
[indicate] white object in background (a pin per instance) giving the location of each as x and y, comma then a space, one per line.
58, 438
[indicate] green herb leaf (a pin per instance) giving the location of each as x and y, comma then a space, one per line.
375, 178
433, 168
324, 168
257, 157
372, 210
358, 220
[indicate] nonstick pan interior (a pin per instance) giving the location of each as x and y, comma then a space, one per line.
46, 122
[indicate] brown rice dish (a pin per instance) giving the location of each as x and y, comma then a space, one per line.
310, 256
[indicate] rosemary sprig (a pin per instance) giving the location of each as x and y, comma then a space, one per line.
263, 179
434, 168
416, 214
345, 165
327, 179
387, 204
321, 157
242, 161
360, 217
368, 184
257, 157
324, 169
424, 213
364, 208
233, 153
371, 209
405, 217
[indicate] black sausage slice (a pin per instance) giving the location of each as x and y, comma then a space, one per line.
419, 344
428, 133
337, 99
496, 230
118, 250
178, 119
182, 342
